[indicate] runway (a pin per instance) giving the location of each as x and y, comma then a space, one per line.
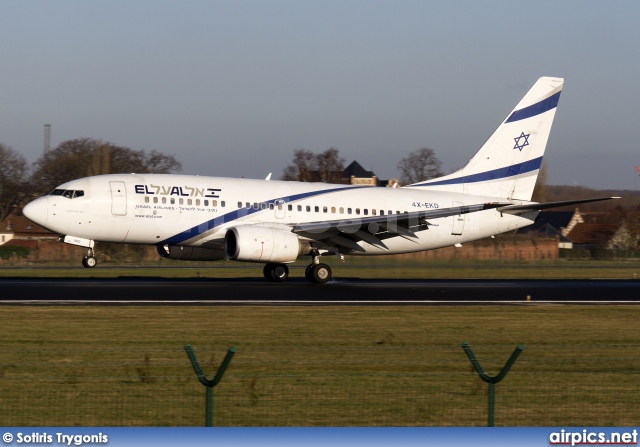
161, 291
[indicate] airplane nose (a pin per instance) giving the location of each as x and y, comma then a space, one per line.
37, 211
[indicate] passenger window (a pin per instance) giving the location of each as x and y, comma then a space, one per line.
239, 204
290, 207
248, 205
341, 210
382, 212
373, 212
308, 208
263, 206
348, 210
155, 200
146, 199
214, 203
366, 212
222, 204
299, 207
164, 200
189, 201
317, 209
271, 206
333, 209
172, 200
256, 206
180, 201
280, 206
197, 202
357, 210
206, 203
324, 209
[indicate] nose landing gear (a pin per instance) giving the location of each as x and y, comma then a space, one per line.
89, 261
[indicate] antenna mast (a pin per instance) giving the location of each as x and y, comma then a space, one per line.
47, 138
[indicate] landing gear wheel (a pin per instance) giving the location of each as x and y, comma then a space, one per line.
307, 272
276, 272
320, 273
89, 262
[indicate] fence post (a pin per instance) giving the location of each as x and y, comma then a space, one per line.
209, 384
491, 380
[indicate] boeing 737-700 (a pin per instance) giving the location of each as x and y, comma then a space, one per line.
275, 222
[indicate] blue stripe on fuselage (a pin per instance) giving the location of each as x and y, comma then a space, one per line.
242, 212
496, 174
535, 109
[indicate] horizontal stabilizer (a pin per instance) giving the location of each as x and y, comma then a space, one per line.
520, 209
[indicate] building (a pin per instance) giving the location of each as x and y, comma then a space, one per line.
603, 236
18, 230
355, 174
553, 224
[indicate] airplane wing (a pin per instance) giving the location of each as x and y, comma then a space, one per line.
375, 229
520, 209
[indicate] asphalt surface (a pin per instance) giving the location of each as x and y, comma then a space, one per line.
44, 291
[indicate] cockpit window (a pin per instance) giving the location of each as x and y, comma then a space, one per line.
68, 193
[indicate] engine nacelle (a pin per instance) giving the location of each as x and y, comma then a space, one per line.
190, 253
254, 243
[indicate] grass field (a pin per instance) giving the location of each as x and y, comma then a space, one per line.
354, 267
319, 366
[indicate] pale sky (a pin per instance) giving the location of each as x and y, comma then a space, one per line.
231, 88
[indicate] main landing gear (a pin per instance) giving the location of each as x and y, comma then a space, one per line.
275, 272
317, 272
89, 261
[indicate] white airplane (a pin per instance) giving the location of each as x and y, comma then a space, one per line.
275, 222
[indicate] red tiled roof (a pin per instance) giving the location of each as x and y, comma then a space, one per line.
21, 226
592, 233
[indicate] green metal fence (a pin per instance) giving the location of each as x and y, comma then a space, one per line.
596, 385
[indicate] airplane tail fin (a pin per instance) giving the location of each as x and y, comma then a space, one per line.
507, 165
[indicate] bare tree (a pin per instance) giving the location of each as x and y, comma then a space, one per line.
330, 166
301, 168
421, 164
156, 162
85, 157
13, 171
325, 167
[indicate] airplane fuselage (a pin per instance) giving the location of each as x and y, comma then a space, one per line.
180, 210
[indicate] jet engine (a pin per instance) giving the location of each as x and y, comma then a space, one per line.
190, 253
254, 243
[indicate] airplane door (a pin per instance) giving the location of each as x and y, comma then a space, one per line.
118, 199
281, 212
458, 221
